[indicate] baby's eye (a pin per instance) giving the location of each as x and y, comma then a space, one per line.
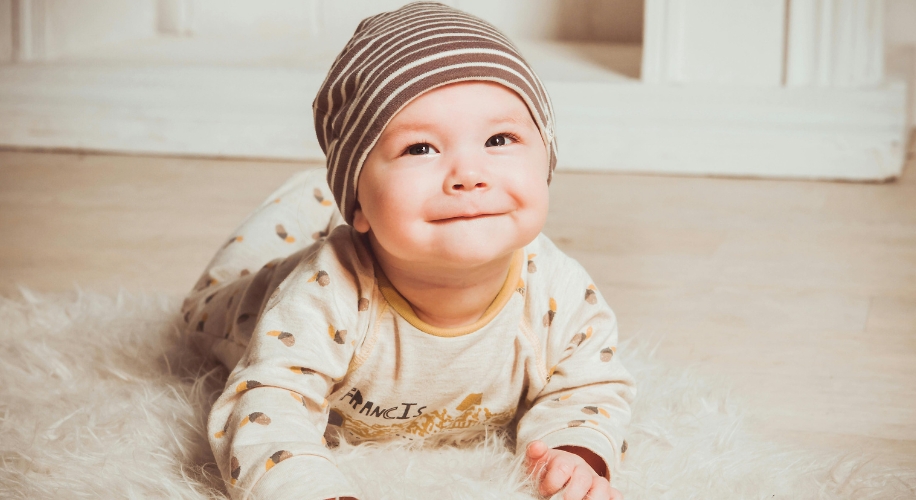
419, 149
499, 140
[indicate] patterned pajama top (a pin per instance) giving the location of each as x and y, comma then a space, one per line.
320, 340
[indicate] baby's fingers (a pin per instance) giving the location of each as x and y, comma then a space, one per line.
558, 474
580, 485
601, 490
537, 456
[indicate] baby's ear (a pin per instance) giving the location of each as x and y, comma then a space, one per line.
360, 222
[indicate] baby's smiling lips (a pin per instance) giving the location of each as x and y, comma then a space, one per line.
470, 216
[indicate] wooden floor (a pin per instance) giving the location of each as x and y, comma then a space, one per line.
802, 294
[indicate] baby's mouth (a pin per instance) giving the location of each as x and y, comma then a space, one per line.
467, 217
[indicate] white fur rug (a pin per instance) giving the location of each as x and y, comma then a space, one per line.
100, 397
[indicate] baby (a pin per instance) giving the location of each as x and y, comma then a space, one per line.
437, 307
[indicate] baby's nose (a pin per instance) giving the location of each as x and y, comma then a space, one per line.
467, 178
469, 186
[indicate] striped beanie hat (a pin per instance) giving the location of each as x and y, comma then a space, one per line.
392, 58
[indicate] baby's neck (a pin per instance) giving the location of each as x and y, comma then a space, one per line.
444, 296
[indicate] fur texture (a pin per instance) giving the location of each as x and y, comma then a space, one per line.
100, 397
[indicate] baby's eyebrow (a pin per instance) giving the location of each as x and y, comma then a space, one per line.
505, 120
427, 127
406, 128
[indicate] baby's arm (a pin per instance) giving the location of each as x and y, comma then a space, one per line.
266, 429
573, 431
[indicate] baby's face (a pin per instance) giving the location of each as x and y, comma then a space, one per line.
458, 178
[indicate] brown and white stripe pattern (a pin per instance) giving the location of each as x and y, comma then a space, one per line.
392, 58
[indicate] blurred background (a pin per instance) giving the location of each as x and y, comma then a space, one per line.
736, 175
802, 88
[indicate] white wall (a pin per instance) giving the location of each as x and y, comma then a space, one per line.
265, 19
48, 29
900, 37
6, 31
61, 27
593, 20
900, 22
729, 42
617, 21
596, 20
75, 25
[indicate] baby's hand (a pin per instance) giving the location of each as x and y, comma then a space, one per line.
558, 468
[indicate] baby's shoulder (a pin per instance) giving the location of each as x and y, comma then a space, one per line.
549, 267
558, 290
340, 263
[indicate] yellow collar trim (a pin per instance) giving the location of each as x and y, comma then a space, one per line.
402, 307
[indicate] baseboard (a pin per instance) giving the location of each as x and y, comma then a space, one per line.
855, 134
180, 110
604, 124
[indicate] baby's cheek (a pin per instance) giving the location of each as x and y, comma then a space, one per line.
536, 200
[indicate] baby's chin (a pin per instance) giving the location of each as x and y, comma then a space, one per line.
476, 248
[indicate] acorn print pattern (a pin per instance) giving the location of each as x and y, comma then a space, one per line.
277, 458
301, 399
234, 239
234, 470
302, 370
607, 353
548, 318
594, 410
298, 398
363, 304
520, 287
581, 337
624, 447
339, 336
532, 268
577, 423
281, 232
591, 294
320, 198
205, 281
321, 277
256, 417
220, 434
248, 384
319, 234
200, 324
287, 338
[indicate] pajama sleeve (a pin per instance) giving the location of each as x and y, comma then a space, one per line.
267, 428
585, 395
